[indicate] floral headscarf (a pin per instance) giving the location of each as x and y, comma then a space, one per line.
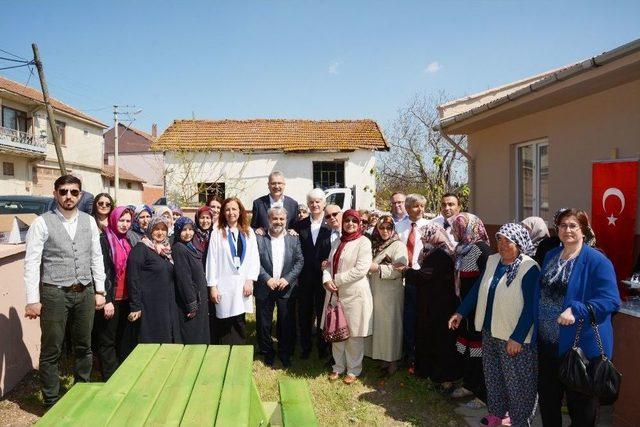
433, 237
162, 210
135, 224
520, 236
377, 243
201, 237
469, 230
163, 248
537, 229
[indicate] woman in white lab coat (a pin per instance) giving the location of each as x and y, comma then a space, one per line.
233, 265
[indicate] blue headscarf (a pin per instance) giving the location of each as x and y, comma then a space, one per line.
137, 211
178, 225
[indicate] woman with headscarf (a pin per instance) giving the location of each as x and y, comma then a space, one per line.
506, 310
206, 221
191, 284
176, 212
109, 323
471, 255
165, 212
141, 217
436, 355
387, 290
152, 294
576, 283
537, 228
346, 278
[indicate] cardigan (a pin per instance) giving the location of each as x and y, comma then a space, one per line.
592, 281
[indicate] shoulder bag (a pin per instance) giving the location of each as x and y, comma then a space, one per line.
335, 328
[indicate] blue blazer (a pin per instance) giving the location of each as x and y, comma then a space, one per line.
592, 281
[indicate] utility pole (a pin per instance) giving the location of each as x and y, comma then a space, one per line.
116, 178
51, 117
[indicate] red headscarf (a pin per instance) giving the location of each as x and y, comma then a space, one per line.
347, 237
120, 248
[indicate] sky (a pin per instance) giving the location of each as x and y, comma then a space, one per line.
296, 59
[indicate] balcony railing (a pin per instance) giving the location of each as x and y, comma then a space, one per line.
21, 141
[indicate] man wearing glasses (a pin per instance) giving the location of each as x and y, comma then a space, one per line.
64, 279
333, 217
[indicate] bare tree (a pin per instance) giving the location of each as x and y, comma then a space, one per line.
189, 173
420, 160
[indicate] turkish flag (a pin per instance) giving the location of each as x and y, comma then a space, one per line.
614, 202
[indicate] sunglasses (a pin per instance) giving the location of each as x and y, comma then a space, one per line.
64, 191
103, 204
386, 227
351, 219
331, 215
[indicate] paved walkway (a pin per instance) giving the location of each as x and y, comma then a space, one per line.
473, 416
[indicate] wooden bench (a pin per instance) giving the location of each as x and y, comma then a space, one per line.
177, 385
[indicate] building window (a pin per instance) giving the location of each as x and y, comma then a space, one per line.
532, 179
7, 169
14, 119
111, 183
128, 185
328, 175
62, 126
207, 190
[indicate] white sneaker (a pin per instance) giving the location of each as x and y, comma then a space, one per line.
460, 392
475, 404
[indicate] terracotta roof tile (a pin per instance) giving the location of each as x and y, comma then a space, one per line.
35, 95
109, 171
272, 134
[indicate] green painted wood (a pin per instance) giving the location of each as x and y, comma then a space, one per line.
137, 405
296, 403
257, 414
70, 406
235, 402
106, 401
202, 408
173, 399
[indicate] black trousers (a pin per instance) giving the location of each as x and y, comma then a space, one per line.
111, 338
583, 409
232, 330
310, 300
285, 325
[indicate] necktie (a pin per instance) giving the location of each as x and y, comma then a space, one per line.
411, 243
446, 224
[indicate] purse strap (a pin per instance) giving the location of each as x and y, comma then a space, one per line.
578, 330
594, 325
331, 296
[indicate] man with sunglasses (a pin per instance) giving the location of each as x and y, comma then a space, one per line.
333, 217
64, 279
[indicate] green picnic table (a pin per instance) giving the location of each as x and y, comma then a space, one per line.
186, 385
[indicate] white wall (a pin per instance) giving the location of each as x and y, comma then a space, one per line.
126, 196
16, 184
245, 175
148, 166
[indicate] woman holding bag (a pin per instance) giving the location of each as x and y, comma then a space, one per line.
346, 275
574, 276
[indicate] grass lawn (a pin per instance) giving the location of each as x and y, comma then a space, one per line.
371, 401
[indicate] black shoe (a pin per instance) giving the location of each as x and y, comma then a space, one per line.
286, 362
305, 354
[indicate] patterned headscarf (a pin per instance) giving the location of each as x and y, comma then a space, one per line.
537, 229
377, 243
434, 236
201, 238
520, 236
469, 230
135, 224
163, 248
159, 210
176, 209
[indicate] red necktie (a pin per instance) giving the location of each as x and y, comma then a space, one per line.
411, 243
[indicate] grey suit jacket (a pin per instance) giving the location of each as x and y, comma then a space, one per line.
291, 267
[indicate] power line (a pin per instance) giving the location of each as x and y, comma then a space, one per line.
13, 54
15, 66
13, 60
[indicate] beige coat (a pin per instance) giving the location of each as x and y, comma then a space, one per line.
353, 285
387, 288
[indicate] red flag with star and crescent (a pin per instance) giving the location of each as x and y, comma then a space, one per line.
614, 202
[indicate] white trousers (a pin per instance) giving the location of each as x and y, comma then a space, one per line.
348, 356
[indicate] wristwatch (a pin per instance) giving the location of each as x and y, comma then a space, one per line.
100, 293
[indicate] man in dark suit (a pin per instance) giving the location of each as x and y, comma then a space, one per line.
281, 262
275, 198
315, 239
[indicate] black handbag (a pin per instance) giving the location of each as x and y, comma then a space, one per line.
596, 377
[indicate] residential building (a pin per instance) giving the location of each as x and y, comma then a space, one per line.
28, 156
235, 157
130, 191
136, 157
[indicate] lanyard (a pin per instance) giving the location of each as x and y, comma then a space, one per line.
232, 239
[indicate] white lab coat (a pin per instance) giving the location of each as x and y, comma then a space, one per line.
230, 280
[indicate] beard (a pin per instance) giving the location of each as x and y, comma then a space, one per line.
276, 230
67, 205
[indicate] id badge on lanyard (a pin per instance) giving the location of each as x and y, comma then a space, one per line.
236, 261
233, 246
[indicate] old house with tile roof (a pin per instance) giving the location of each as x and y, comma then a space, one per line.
27, 153
234, 157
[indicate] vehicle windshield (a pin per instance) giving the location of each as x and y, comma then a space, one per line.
336, 199
19, 207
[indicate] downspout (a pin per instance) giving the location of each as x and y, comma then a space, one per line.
471, 167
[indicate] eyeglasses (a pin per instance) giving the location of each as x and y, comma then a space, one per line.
64, 191
103, 204
331, 215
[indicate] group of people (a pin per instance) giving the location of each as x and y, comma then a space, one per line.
427, 292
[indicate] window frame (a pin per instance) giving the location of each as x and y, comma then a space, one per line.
536, 144
8, 167
338, 164
19, 114
63, 140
